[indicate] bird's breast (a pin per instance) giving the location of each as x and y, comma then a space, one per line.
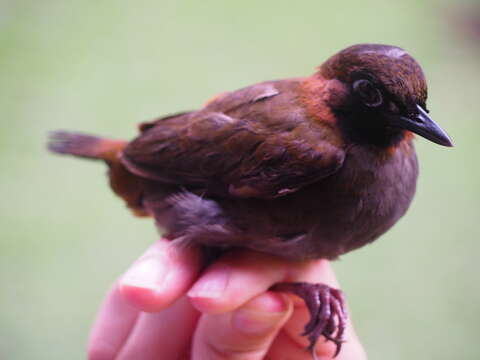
366, 197
354, 206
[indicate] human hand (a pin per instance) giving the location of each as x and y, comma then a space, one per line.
154, 312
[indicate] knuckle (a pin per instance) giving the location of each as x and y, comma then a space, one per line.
231, 352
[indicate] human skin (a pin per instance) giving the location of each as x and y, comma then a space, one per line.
164, 307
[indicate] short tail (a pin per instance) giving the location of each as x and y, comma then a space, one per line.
124, 184
86, 146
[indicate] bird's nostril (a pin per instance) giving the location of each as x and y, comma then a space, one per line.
416, 118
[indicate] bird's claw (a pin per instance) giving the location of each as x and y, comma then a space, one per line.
328, 315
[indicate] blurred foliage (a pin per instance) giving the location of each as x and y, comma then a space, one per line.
102, 66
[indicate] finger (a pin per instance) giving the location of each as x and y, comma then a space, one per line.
239, 276
112, 326
291, 342
236, 278
160, 276
245, 333
164, 335
284, 347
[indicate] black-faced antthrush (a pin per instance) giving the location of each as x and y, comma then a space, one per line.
300, 168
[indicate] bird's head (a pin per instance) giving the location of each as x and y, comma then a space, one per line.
378, 93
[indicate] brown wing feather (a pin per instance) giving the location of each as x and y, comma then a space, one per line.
255, 142
144, 126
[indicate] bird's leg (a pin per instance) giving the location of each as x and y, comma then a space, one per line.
328, 315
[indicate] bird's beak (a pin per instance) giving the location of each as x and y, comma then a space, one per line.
423, 125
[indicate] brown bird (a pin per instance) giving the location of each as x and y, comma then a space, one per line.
300, 168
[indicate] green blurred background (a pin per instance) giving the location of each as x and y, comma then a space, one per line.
103, 66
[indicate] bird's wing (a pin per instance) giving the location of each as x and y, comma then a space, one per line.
255, 142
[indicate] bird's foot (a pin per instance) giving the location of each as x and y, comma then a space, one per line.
328, 315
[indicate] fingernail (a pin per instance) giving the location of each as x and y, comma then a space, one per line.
148, 273
261, 315
212, 285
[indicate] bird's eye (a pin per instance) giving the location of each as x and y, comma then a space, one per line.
368, 93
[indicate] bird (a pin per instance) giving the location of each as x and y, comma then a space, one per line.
299, 168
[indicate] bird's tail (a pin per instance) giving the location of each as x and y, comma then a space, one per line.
125, 184
86, 146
